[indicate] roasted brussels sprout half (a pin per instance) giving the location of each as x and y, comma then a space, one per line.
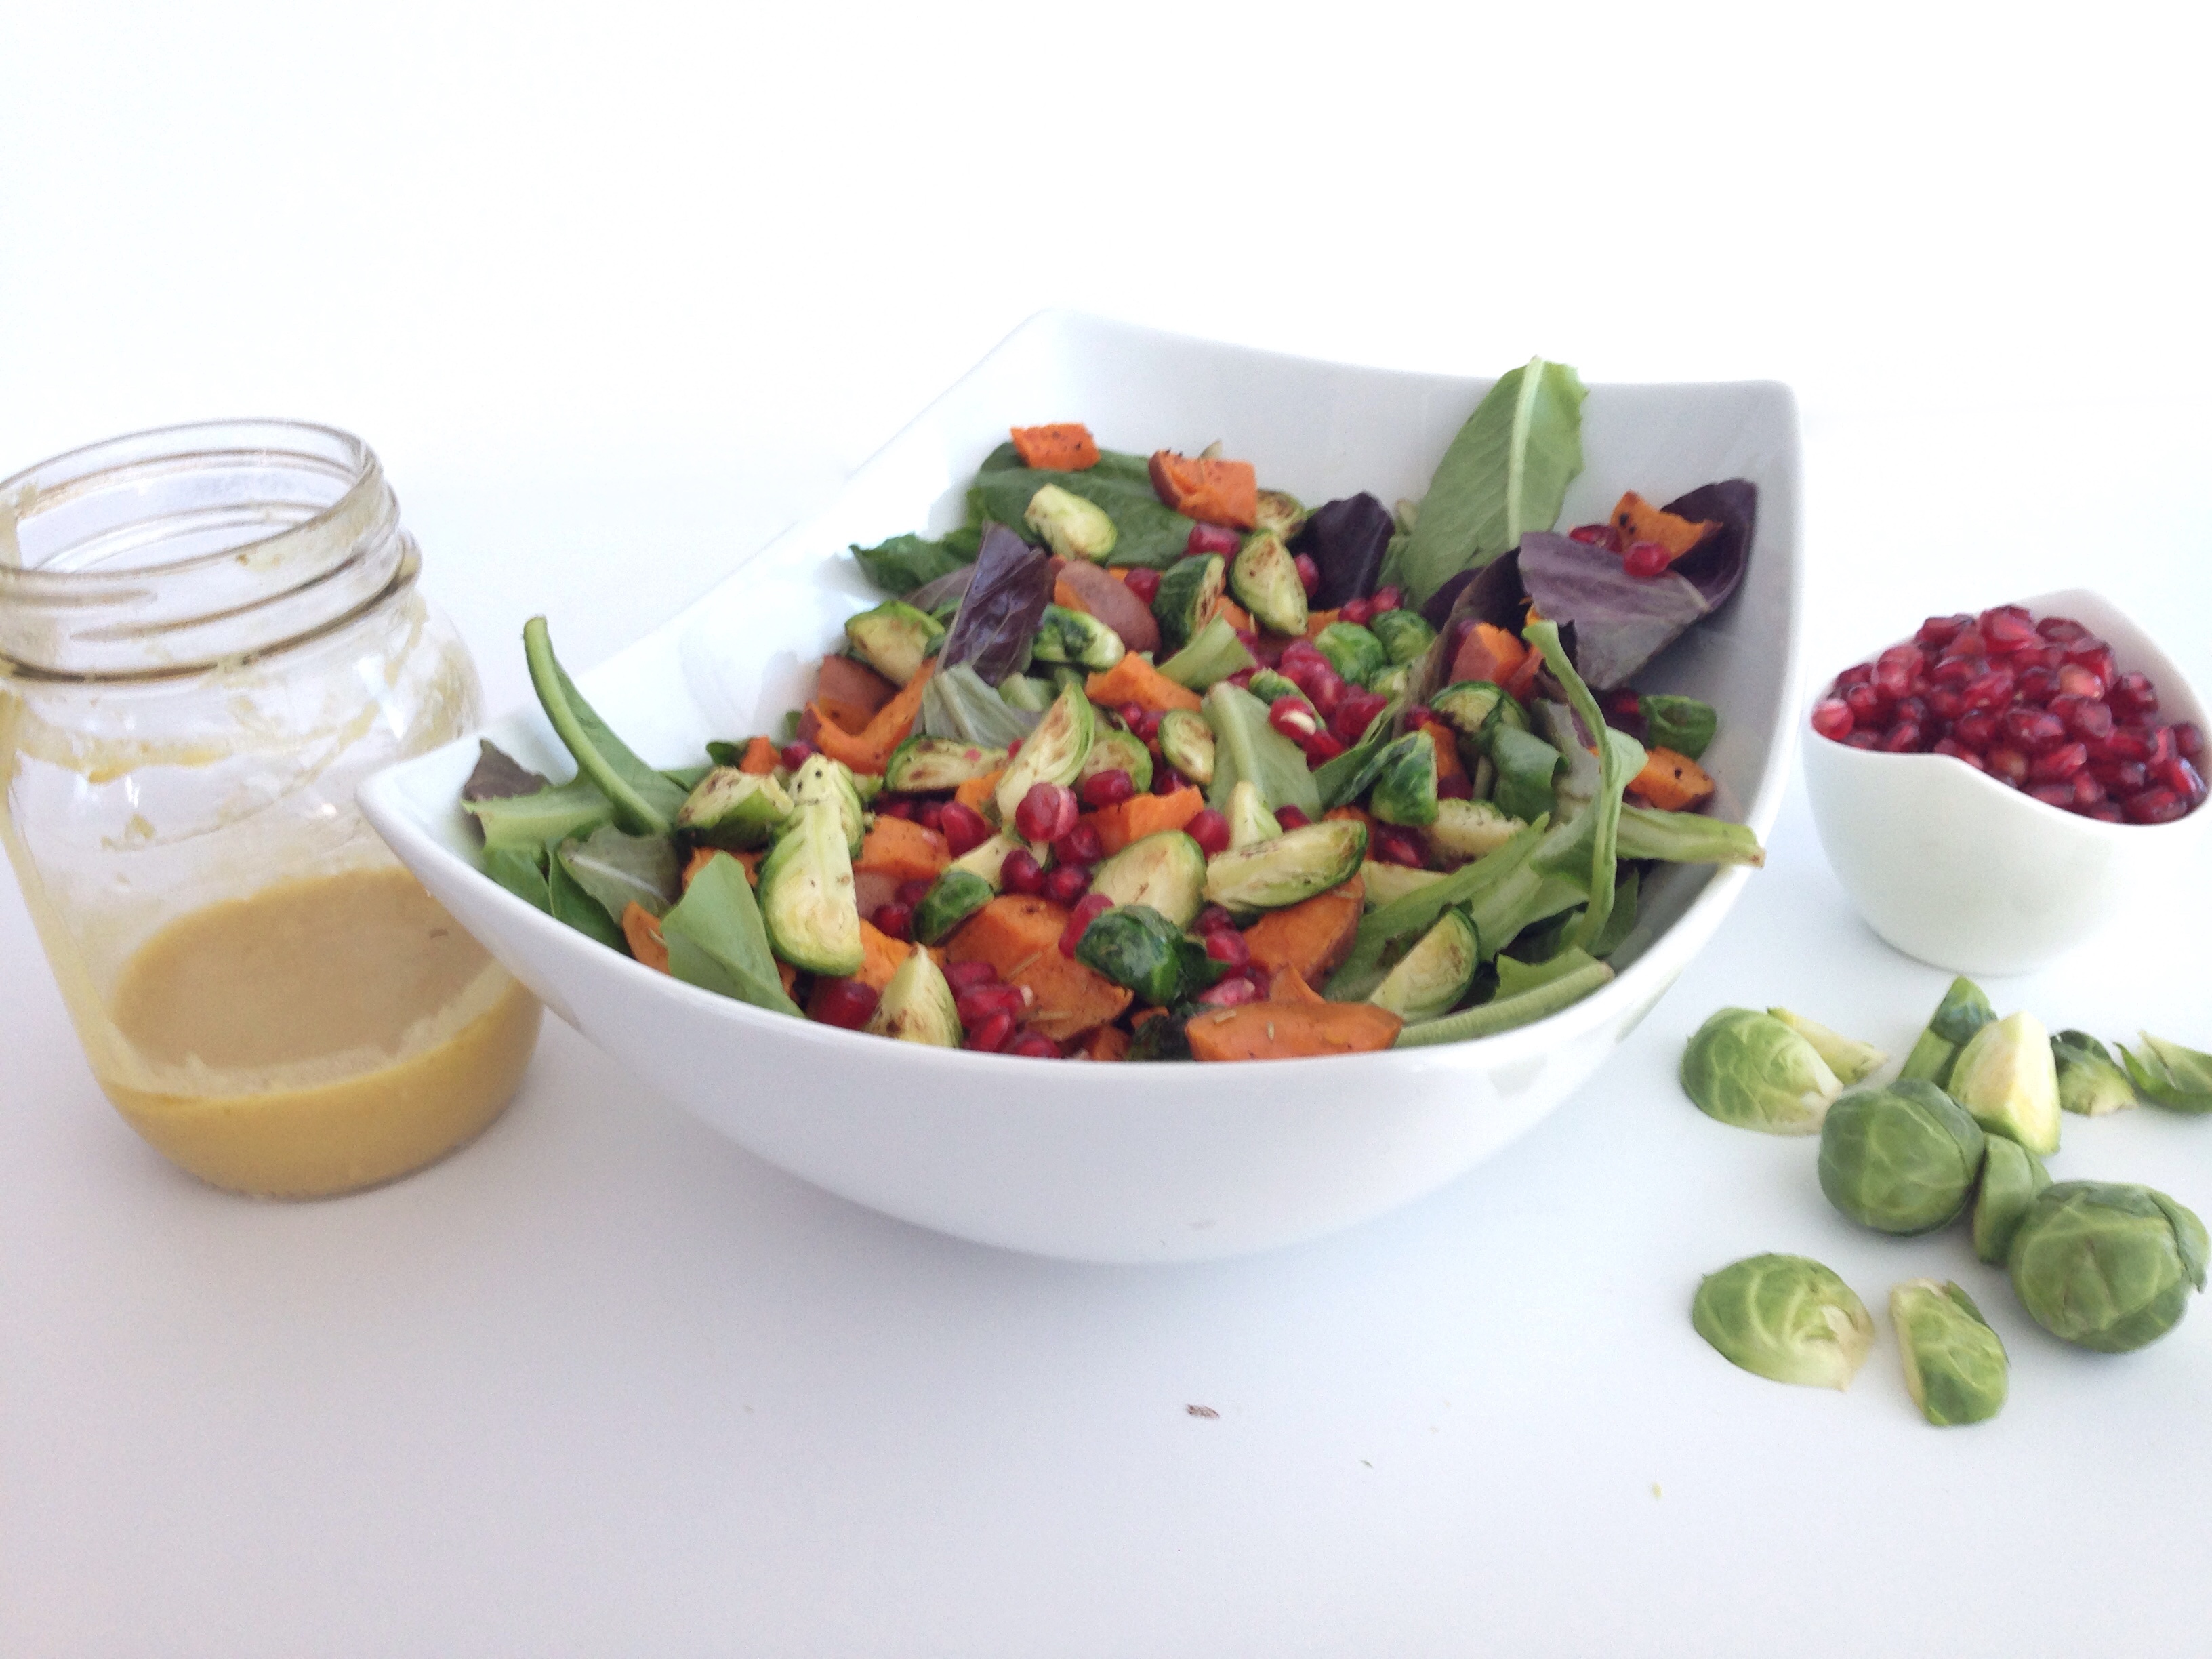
923, 764
1213, 654
1852, 1061
2169, 1075
1954, 1365
1026, 692
824, 782
917, 1005
806, 894
1054, 753
954, 896
1184, 603
1271, 687
2090, 1081
987, 859
2011, 1177
1385, 883
1465, 830
894, 639
1352, 651
1294, 865
1265, 579
1077, 638
1280, 513
2106, 1265
1164, 873
1187, 744
1681, 724
1963, 1011
1786, 1318
733, 809
1403, 633
1430, 979
1070, 527
1115, 748
1752, 1070
1901, 1158
1249, 820
2006, 1078
1472, 708
1405, 788
1137, 947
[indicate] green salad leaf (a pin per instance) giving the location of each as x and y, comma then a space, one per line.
644, 801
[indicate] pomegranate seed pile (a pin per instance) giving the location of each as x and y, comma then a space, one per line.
2040, 706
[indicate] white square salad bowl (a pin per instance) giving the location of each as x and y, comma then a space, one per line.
1131, 1162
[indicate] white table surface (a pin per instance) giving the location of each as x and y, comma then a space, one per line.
604, 1383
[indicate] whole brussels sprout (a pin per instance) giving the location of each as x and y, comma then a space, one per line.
1954, 1365
2108, 1265
2007, 1081
1750, 1069
2090, 1081
2011, 1177
2169, 1075
1785, 1317
1900, 1157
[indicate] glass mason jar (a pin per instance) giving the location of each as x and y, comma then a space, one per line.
209, 635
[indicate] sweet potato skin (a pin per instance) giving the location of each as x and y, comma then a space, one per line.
1145, 815
641, 929
1057, 447
1018, 934
843, 680
868, 750
1212, 492
1135, 680
1312, 937
1291, 1030
1102, 594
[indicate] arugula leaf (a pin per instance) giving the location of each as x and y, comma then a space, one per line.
904, 563
574, 808
1506, 474
716, 940
644, 802
1620, 757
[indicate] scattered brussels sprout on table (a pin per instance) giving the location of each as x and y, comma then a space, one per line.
1785, 1317
1900, 1157
2166, 1075
1852, 1061
1755, 1071
1955, 1367
2006, 1078
2090, 1081
1963, 1011
2011, 1177
2106, 1265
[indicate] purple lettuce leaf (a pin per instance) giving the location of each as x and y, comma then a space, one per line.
1005, 603
1716, 566
1347, 539
1621, 622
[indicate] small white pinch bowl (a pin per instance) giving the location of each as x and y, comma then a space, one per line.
1965, 872
1132, 1163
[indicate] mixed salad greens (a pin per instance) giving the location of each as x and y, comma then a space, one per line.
1147, 762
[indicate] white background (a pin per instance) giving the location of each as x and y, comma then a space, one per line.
617, 293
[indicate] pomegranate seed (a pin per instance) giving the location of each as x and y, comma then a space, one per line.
1831, 718
1607, 536
1357, 611
1249, 639
1242, 680
1857, 674
1394, 846
1292, 718
2061, 630
1212, 920
2103, 812
1459, 788
796, 754
2083, 717
1046, 813
931, 815
1945, 703
1862, 740
894, 919
1320, 748
1419, 715
1956, 671
1387, 598
1895, 670
1967, 643
2060, 795
1066, 884
1033, 1045
2123, 743
966, 976
1867, 704
1228, 947
2008, 763
1956, 751
978, 1003
1021, 873
2188, 741
1356, 712
2075, 681
1013, 748
1938, 631
2183, 778
1210, 830
2033, 730
992, 1034
2008, 626
1902, 737
1309, 574
1166, 781
1146, 725
1978, 730
964, 827
2162, 751
1080, 845
1108, 788
2133, 693
894, 807
2088, 792
1231, 993
845, 1002
2036, 686
1290, 818
1991, 689
2059, 765
1327, 690
1087, 911
911, 893
1911, 708
2123, 777
1145, 584
2155, 806
1210, 538
1644, 560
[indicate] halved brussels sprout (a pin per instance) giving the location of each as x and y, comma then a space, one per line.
922, 764
1187, 744
1266, 581
1472, 708
1271, 686
954, 896
2011, 1177
917, 1004
2006, 1078
1527, 767
1213, 654
1115, 748
1392, 682
1901, 1159
1184, 603
2169, 1075
1404, 634
1405, 789
987, 859
1465, 830
1963, 1011
1278, 512
2090, 1081
1955, 1366
1786, 1318
1852, 1061
1025, 692
1249, 820
1430, 979
1075, 637
823, 781
1072, 527
1165, 872
734, 809
1353, 652
1137, 947
1752, 1070
2106, 1265
806, 894
1294, 865
1386, 882
1054, 753
893, 639
1681, 724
